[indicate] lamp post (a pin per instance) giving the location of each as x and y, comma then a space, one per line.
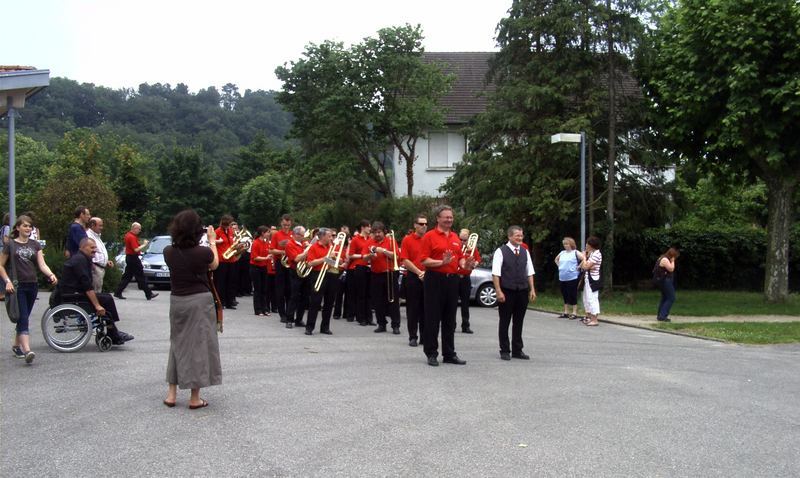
577, 138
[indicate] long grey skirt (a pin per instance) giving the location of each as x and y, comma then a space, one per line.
193, 346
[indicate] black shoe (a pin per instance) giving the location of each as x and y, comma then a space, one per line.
308, 332
433, 362
119, 296
153, 296
505, 356
230, 307
336, 318
396, 330
412, 342
563, 316
363, 324
454, 360
379, 329
370, 323
664, 319
283, 320
235, 302
467, 331
299, 323
327, 332
123, 336
521, 355
350, 319
289, 325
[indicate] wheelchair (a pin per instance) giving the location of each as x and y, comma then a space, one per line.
70, 325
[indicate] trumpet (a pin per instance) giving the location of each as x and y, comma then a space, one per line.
337, 247
241, 236
468, 250
390, 291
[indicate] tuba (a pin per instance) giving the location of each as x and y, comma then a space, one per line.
241, 236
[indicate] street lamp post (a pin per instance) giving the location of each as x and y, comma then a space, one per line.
577, 138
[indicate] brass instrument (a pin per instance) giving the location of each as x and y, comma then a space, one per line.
285, 258
337, 247
303, 269
240, 236
469, 248
390, 290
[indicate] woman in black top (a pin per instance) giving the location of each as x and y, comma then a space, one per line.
194, 360
663, 278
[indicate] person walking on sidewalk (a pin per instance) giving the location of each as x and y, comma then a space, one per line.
663, 278
133, 264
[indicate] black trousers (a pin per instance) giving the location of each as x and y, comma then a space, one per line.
244, 286
341, 297
298, 302
361, 286
464, 286
379, 293
133, 268
350, 301
441, 303
272, 304
512, 311
258, 276
415, 306
323, 299
223, 281
283, 288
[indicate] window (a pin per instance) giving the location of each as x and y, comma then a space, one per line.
445, 149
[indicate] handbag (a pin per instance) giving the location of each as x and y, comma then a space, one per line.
595, 285
659, 273
12, 300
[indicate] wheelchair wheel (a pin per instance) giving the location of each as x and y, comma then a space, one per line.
103, 342
66, 327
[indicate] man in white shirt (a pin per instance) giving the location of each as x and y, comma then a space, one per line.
512, 275
100, 260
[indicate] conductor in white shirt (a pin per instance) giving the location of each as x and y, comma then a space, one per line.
512, 274
100, 260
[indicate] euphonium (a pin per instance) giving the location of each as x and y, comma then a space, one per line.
238, 237
303, 269
469, 249
337, 247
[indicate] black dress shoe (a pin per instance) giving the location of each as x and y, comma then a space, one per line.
433, 362
371, 322
363, 324
350, 319
454, 360
308, 332
396, 330
521, 355
467, 331
153, 296
336, 318
289, 325
299, 323
663, 319
230, 307
327, 332
379, 329
505, 356
119, 296
125, 337
283, 320
412, 342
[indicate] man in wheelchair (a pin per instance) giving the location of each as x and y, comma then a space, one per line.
77, 280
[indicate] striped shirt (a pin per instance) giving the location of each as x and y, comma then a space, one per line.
597, 259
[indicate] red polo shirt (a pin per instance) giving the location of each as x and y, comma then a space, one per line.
410, 249
260, 249
358, 245
435, 243
131, 243
381, 263
317, 251
223, 246
293, 249
279, 236
477, 256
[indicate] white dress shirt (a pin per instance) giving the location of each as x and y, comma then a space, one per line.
101, 256
497, 260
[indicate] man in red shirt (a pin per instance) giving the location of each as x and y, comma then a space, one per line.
225, 275
441, 256
300, 286
133, 265
359, 287
283, 288
464, 282
326, 295
415, 272
384, 292
259, 258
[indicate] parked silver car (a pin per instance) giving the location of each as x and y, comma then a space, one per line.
482, 290
155, 268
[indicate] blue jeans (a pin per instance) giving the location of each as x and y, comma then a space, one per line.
667, 297
27, 292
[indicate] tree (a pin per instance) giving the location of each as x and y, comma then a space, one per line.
364, 98
724, 78
187, 181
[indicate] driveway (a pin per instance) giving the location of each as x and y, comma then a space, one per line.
602, 401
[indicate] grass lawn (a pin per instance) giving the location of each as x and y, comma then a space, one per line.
689, 302
741, 332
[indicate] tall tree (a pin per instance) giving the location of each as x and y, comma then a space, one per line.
724, 78
362, 99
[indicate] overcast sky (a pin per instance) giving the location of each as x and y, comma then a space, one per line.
122, 43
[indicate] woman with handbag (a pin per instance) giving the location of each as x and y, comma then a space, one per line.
567, 262
21, 288
663, 278
194, 360
592, 260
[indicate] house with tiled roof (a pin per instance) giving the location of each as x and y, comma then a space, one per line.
439, 151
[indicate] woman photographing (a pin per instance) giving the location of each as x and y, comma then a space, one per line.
663, 278
591, 263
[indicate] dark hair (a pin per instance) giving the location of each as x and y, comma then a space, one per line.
78, 211
362, 224
672, 253
261, 230
286, 217
225, 220
378, 226
594, 241
30, 214
186, 229
20, 220
420, 216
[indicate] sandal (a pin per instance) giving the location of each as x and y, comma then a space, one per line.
572, 316
202, 404
591, 324
169, 404
563, 316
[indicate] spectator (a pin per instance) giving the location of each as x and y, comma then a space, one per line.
77, 230
663, 275
568, 261
591, 263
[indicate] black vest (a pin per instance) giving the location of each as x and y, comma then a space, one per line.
513, 272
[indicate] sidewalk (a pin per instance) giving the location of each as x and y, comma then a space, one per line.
648, 321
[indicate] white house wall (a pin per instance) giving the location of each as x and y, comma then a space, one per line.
427, 179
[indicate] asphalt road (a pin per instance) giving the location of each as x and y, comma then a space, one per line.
602, 401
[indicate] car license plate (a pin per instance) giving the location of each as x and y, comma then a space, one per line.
162, 274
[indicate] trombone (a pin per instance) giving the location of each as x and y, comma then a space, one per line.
335, 253
303, 269
240, 236
468, 250
390, 287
